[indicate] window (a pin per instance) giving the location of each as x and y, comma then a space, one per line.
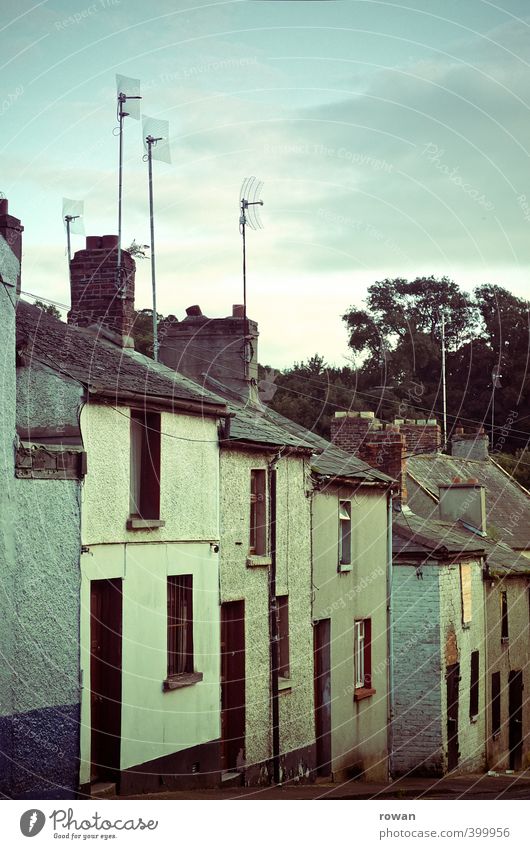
504, 617
495, 703
344, 533
362, 654
145, 465
179, 625
465, 588
258, 512
474, 686
284, 670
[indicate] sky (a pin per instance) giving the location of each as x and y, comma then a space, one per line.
392, 140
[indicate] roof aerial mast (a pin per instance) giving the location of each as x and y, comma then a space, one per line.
128, 89
249, 200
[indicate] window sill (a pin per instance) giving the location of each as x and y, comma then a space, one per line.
474, 719
344, 567
135, 523
363, 693
186, 679
505, 641
258, 560
284, 685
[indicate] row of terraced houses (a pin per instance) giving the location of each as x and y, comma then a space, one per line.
197, 591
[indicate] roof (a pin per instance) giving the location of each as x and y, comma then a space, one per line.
101, 365
507, 503
416, 536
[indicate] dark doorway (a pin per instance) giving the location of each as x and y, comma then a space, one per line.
453, 680
233, 684
515, 722
322, 658
105, 677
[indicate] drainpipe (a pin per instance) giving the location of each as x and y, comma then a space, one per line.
273, 624
390, 641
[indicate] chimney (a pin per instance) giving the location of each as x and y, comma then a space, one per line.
199, 345
463, 501
470, 446
95, 296
350, 429
423, 436
11, 229
363, 435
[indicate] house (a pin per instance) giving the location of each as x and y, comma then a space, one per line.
148, 624
293, 616
39, 562
443, 535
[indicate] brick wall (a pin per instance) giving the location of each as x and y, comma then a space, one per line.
423, 436
96, 297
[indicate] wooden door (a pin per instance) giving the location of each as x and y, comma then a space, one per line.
453, 681
322, 677
515, 721
233, 684
105, 677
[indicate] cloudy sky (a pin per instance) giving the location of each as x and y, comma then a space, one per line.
392, 140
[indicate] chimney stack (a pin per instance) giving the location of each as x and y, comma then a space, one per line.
463, 501
470, 446
423, 436
95, 296
350, 429
11, 229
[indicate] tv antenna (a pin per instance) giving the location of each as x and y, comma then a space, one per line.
128, 89
156, 139
73, 219
249, 200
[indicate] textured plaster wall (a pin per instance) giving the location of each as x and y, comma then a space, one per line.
359, 729
471, 735
45, 399
156, 723
239, 581
417, 726
8, 271
505, 657
188, 480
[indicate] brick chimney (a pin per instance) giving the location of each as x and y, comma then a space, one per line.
363, 435
95, 296
199, 345
465, 501
423, 436
11, 229
472, 445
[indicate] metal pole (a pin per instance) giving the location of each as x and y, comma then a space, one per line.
150, 141
273, 627
245, 322
121, 100
444, 389
68, 218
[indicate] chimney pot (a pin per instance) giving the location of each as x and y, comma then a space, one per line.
238, 311
4, 206
194, 310
109, 242
93, 243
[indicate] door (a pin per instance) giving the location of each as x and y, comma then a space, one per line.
322, 674
453, 680
233, 684
515, 721
105, 677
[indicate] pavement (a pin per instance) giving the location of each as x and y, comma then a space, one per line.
483, 786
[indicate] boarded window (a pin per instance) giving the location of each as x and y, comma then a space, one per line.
362, 653
179, 624
474, 685
495, 703
465, 587
145, 465
344, 533
504, 617
284, 670
258, 512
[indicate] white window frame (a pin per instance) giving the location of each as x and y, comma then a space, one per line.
358, 652
345, 519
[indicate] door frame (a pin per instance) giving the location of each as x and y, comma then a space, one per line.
233, 719
453, 704
515, 718
322, 688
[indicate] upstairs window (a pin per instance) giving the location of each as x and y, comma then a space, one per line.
495, 703
344, 533
145, 465
179, 625
284, 670
362, 653
465, 588
258, 512
474, 685
504, 617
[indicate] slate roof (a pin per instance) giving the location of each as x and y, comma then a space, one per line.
450, 541
100, 364
507, 503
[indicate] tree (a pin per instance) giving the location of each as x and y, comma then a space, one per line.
49, 309
137, 250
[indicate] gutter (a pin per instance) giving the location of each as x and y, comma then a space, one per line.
273, 623
390, 639
159, 402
